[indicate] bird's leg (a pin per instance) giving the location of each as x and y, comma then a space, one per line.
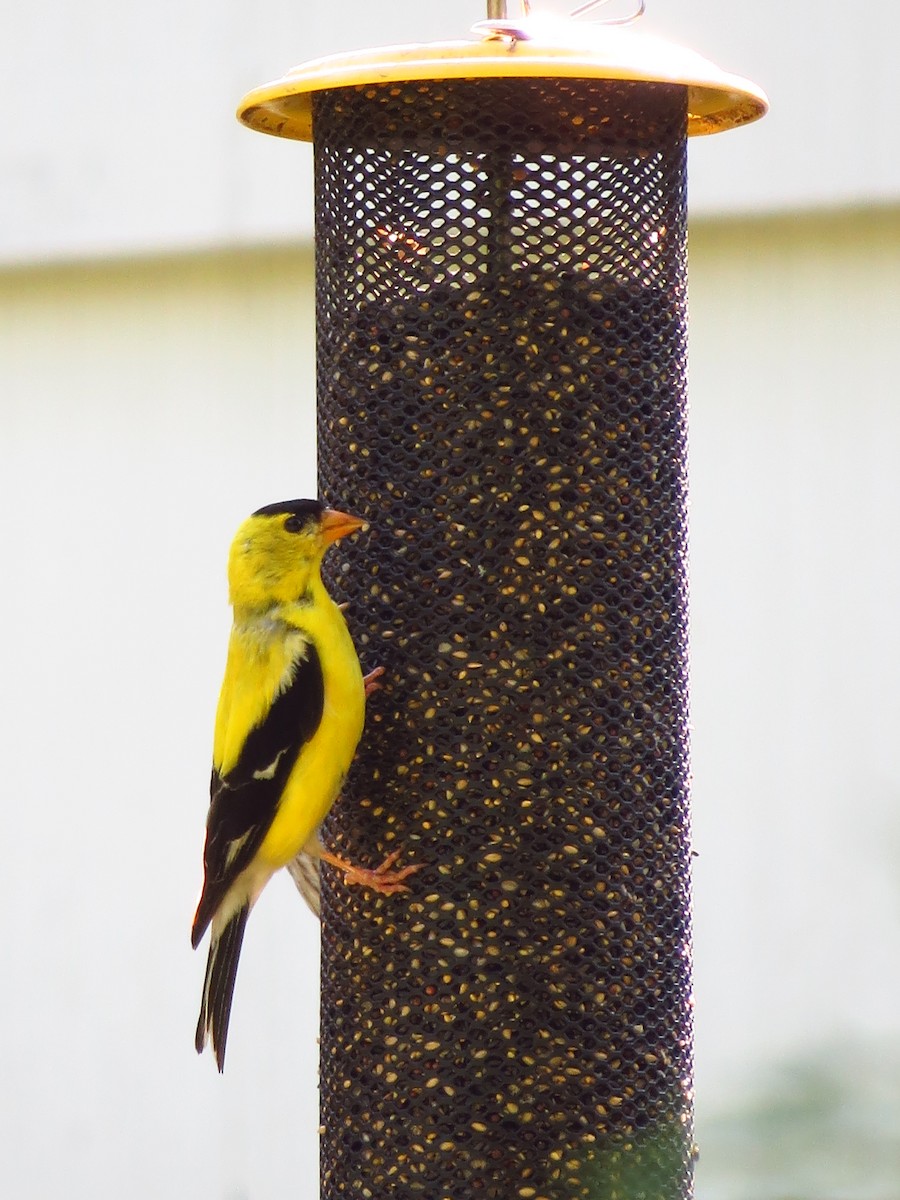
370, 681
382, 879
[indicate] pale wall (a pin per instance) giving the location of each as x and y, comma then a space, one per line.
145, 409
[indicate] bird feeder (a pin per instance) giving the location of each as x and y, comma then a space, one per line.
501, 359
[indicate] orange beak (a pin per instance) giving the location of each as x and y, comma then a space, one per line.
335, 525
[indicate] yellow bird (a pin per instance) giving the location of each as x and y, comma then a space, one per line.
289, 718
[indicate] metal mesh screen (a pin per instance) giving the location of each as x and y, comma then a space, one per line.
501, 370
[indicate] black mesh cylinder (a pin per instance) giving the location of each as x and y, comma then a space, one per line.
501, 390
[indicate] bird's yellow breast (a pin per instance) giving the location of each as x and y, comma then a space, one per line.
262, 656
314, 783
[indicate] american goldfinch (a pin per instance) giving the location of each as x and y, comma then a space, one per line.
289, 717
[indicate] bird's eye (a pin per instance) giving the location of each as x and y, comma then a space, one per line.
293, 524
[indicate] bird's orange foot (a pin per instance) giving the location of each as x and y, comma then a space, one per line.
382, 879
370, 681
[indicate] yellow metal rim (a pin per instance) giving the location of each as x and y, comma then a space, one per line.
716, 99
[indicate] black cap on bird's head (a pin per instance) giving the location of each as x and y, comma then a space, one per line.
305, 509
305, 516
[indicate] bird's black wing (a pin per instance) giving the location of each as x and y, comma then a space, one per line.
243, 803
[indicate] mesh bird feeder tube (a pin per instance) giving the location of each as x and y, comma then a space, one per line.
500, 282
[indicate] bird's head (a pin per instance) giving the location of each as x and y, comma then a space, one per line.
277, 552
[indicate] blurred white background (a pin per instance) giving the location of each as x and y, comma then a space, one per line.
156, 384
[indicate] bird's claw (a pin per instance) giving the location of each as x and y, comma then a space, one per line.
370, 681
382, 879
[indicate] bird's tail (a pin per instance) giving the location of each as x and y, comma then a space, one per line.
218, 987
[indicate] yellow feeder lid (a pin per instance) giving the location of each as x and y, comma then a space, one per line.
542, 47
